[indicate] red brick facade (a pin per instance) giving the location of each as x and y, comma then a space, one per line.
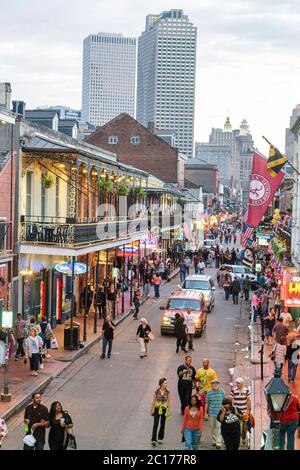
152, 154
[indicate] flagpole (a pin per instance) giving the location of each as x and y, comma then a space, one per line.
292, 166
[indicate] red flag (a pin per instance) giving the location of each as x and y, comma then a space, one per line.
263, 186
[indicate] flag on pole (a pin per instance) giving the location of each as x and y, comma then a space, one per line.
275, 161
262, 189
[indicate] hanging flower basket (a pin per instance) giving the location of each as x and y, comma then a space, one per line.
140, 192
122, 189
47, 181
106, 186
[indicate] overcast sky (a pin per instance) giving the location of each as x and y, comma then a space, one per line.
247, 59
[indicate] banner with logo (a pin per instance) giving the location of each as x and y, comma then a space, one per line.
263, 186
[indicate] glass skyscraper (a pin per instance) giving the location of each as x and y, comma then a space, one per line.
166, 76
109, 76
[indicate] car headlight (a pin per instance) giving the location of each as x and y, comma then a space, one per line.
166, 320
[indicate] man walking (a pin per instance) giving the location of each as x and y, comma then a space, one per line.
108, 329
190, 328
100, 301
240, 396
36, 419
246, 287
205, 376
136, 300
213, 406
186, 376
20, 328
235, 289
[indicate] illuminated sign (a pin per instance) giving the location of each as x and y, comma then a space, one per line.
291, 289
66, 268
7, 319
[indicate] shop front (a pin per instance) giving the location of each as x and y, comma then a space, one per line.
290, 291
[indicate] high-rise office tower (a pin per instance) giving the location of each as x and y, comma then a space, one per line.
166, 76
290, 139
109, 71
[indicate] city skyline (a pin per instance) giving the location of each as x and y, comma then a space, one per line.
244, 60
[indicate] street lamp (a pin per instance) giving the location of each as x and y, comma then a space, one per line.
278, 395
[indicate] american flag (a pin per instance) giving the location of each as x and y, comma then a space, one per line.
247, 232
245, 215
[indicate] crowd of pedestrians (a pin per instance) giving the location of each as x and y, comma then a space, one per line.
203, 400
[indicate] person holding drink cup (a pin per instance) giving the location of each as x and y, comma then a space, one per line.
60, 422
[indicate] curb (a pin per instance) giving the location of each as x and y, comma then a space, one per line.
68, 362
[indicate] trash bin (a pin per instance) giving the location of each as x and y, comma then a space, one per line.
68, 335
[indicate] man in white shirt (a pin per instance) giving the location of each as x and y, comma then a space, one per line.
190, 327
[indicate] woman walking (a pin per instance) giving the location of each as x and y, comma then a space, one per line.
192, 423
46, 335
160, 410
60, 422
269, 323
143, 337
180, 332
33, 345
157, 282
230, 425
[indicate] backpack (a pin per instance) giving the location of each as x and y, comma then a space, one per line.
48, 333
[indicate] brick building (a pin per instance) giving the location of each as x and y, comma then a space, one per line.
201, 174
135, 145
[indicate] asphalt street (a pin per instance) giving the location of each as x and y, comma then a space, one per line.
109, 400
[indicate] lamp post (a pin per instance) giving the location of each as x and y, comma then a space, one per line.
278, 395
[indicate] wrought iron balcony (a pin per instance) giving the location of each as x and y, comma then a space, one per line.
71, 233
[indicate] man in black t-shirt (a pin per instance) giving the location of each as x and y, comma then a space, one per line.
37, 419
108, 329
186, 377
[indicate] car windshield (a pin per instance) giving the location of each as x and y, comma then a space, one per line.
239, 270
196, 284
183, 304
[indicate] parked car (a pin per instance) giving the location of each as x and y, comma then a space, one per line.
238, 270
209, 243
203, 284
179, 302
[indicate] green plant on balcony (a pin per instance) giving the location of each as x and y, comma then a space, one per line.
47, 181
140, 192
106, 186
181, 202
122, 189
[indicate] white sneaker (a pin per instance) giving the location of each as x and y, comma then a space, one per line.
48, 355
41, 366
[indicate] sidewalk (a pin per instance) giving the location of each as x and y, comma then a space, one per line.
22, 385
259, 401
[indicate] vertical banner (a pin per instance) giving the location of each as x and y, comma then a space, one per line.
263, 187
58, 299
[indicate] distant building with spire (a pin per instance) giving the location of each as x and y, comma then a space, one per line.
231, 150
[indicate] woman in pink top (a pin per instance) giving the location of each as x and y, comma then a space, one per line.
192, 423
280, 353
255, 304
156, 282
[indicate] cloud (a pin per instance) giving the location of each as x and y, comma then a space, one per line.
246, 58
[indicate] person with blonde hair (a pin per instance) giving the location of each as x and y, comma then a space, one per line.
33, 344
